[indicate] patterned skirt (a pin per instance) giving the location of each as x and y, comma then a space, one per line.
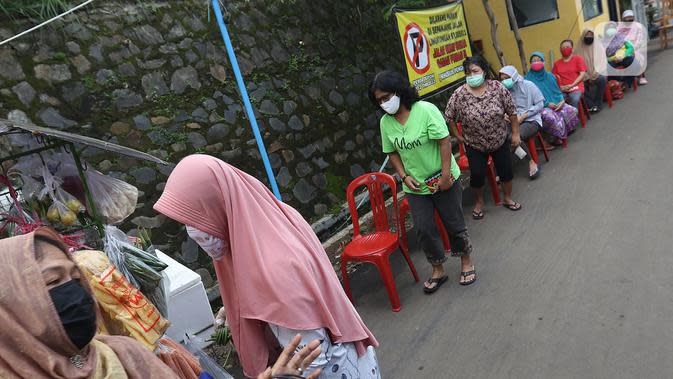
560, 123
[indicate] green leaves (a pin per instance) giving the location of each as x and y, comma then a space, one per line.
388, 10
40, 9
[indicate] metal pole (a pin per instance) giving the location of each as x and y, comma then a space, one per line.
246, 98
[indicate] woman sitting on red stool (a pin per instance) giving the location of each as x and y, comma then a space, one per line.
529, 103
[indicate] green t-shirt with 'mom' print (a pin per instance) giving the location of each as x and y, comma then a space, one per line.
416, 142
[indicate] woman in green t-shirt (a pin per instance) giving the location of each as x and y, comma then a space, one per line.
415, 137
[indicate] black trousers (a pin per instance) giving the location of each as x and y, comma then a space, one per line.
478, 160
449, 205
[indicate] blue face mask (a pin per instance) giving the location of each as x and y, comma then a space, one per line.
508, 83
475, 80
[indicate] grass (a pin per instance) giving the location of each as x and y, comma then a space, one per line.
336, 185
302, 62
166, 105
89, 82
43, 10
174, 137
38, 9
60, 56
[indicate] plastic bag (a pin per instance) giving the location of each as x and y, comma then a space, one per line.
208, 364
141, 268
30, 188
115, 200
181, 361
125, 310
112, 245
30, 165
64, 207
158, 297
616, 89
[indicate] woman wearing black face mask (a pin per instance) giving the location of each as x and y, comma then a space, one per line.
49, 319
595, 83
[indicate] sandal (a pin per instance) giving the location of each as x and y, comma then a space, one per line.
465, 274
437, 282
534, 175
513, 206
477, 215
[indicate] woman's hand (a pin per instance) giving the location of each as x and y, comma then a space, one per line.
412, 183
566, 88
292, 364
516, 140
446, 182
221, 318
551, 106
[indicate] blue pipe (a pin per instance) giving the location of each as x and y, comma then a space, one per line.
246, 98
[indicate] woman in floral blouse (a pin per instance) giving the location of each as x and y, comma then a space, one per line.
485, 108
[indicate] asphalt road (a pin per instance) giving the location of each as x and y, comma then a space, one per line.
579, 284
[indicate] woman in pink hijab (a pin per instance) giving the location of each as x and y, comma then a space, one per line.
272, 270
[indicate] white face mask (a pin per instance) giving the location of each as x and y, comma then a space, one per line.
392, 105
213, 246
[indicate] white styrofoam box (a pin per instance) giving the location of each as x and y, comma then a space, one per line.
188, 308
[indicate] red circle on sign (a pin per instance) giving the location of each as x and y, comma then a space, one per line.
419, 56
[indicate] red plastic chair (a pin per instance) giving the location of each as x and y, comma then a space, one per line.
585, 107
464, 165
533, 149
404, 210
582, 114
375, 248
608, 96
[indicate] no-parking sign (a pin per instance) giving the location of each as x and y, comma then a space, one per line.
435, 42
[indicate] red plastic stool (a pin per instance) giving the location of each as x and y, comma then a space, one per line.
533, 149
584, 106
376, 247
583, 119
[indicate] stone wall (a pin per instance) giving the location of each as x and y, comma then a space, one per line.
156, 77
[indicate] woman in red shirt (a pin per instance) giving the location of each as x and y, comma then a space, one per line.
570, 71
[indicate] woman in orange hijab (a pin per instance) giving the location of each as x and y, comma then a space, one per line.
49, 319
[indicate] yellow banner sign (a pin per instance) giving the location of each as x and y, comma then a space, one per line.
435, 42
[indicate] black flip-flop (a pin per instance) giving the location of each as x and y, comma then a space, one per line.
477, 215
513, 207
465, 274
438, 283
